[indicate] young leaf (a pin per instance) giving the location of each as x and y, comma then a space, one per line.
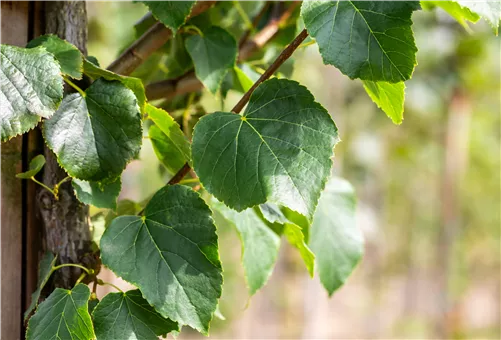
460, 13
31, 87
98, 194
95, 136
129, 316
243, 79
293, 233
489, 10
370, 40
170, 144
36, 164
278, 151
260, 244
172, 14
64, 315
335, 239
44, 271
134, 84
170, 254
213, 55
69, 57
388, 97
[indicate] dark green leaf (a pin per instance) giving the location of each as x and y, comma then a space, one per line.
94, 137
370, 40
177, 60
129, 316
134, 84
36, 164
260, 244
388, 97
63, 316
92, 304
69, 57
172, 14
170, 254
98, 194
335, 239
280, 149
170, 145
44, 272
213, 54
31, 87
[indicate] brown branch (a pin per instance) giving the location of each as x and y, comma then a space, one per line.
286, 53
269, 72
255, 22
149, 42
187, 83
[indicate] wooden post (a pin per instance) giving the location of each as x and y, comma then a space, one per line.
14, 30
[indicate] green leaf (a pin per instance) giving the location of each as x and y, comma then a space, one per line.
489, 10
260, 244
278, 151
370, 40
31, 87
170, 145
172, 14
335, 239
124, 207
36, 164
213, 55
98, 194
64, 315
69, 57
94, 137
129, 316
177, 59
293, 233
44, 271
455, 10
92, 304
134, 84
242, 79
170, 254
388, 97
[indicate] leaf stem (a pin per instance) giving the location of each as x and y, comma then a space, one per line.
102, 283
80, 278
193, 28
189, 180
244, 15
72, 84
87, 270
43, 185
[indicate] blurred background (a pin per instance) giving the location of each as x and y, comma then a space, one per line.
428, 196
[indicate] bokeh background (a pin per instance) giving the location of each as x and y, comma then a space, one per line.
428, 196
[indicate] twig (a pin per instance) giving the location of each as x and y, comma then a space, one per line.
255, 22
149, 42
167, 89
286, 53
273, 67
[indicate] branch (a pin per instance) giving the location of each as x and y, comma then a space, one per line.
149, 42
167, 89
286, 53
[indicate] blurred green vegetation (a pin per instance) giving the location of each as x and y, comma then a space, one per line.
428, 192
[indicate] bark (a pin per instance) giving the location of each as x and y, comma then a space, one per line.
66, 220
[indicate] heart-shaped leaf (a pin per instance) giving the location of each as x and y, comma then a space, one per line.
172, 14
370, 40
31, 87
69, 57
213, 54
94, 137
170, 254
64, 315
279, 150
129, 316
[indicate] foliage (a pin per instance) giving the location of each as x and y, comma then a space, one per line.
267, 171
